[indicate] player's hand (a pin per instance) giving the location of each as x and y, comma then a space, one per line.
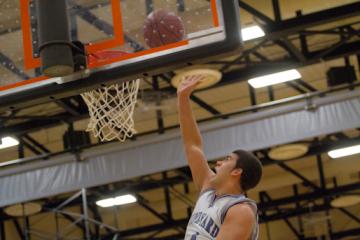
188, 85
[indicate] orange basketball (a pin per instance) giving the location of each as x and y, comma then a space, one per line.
163, 27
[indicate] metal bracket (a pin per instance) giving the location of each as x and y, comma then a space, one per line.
310, 105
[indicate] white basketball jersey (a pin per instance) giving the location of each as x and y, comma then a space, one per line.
209, 214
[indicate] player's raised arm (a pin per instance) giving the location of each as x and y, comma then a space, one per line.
191, 135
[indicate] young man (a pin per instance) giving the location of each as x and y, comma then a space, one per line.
222, 212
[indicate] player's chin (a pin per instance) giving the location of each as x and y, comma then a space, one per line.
213, 177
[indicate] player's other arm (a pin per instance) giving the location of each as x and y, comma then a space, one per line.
238, 223
191, 135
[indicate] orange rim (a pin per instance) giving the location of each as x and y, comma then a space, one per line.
139, 54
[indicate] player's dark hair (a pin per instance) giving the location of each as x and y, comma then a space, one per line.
252, 169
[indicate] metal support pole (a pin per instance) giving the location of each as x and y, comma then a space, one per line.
21, 150
347, 61
276, 8
299, 218
18, 229
271, 93
57, 227
323, 189
2, 231
329, 224
303, 39
262, 200
186, 188
86, 215
167, 198
159, 114
187, 191
116, 217
321, 172
26, 234
252, 96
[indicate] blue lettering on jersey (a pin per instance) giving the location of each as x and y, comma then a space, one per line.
206, 222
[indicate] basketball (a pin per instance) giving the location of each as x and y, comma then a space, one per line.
163, 27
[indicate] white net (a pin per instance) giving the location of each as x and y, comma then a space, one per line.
111, 110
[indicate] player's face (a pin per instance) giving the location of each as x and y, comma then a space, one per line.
224, 168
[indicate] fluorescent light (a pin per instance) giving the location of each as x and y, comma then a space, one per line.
7, 142
120, 200
274, 78
342, 152
109, 202
252, 32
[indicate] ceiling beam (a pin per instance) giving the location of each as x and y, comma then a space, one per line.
228, 78
293, 25
316, 194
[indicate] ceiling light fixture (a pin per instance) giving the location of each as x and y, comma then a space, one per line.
343, 152
7, 142
274, 78
120, 200
252, 32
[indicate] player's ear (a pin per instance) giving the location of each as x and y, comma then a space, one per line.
236, 172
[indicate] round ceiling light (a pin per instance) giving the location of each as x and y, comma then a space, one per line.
26, 209
289, 151
345, 201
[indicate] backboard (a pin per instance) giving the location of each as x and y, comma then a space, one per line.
211, 28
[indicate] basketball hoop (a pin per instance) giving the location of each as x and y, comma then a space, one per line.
111, 108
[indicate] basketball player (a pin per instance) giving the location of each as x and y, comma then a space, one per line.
222, 212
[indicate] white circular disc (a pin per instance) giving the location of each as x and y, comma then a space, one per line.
345, 201
18, 211
211, 77
289, 151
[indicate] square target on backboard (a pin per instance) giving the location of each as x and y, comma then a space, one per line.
153, 36
112, 28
